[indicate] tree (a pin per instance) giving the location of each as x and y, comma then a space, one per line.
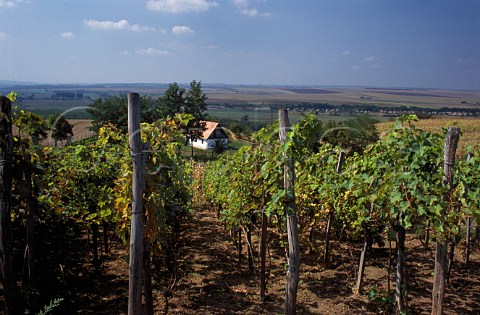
177, 100
195, 102
172, 101
60, 128
245, 118
113, 110
195, 105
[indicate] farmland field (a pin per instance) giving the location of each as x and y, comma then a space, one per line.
347, 95
261, 95
45, 107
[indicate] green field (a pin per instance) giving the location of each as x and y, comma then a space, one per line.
46, 107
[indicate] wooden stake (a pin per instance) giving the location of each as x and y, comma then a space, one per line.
438, 291
361, 267
467, 240
293, 273
400, 281
263, 255
6, 155
341, 159
468, 223
136, 234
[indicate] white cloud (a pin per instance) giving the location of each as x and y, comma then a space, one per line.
370, 59
139, 28
240, 3
356, 68
67, 35
3, 35
176, 6
181, 29
346, 52
463, 60
245, 8
11, 4
107, 25
113, 26
254, 12
7, 4
249, 12
150, 52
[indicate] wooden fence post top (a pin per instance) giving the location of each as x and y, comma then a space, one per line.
283, 124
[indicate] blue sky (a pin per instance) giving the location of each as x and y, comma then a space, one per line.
402, 43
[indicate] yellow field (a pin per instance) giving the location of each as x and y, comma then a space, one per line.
469, 128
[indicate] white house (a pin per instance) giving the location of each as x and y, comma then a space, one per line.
212, 136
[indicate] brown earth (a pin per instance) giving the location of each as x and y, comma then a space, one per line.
210, 280
80, 128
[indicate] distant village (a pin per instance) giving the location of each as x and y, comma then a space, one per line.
365, 109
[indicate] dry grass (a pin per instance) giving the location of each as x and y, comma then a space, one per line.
81, 130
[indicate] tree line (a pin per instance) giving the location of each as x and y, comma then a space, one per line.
175, 100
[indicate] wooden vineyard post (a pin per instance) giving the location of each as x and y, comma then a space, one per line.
468, 223
248, 233
105, 236
263, 255
293, 272
363, 257
6, 155
136, 233
427, 235
341, 159
438, 291
400, 281
361, 267
239, 246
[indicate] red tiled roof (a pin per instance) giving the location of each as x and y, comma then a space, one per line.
209, 129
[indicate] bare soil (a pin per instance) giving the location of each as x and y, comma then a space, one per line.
210, 279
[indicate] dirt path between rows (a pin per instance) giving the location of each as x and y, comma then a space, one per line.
213, 282
210, 279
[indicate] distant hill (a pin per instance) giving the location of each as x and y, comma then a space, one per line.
6, 83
